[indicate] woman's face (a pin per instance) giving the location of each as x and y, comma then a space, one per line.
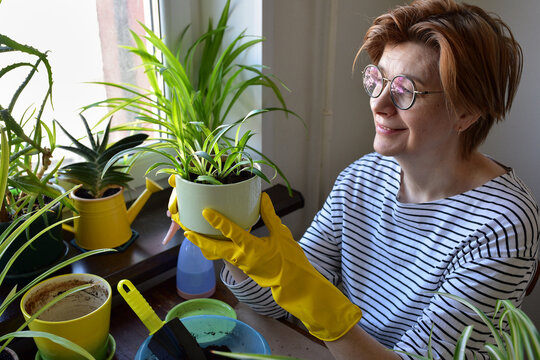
426, 130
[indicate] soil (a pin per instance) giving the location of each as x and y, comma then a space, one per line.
231, 179
82, 193
74, 306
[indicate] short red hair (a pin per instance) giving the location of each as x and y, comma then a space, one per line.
480, 62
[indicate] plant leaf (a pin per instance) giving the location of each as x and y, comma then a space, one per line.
54, 338
461, 345
246, 356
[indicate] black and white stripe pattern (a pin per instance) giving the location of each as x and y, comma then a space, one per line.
390, 257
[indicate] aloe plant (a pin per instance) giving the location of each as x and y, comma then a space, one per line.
94, 176
30, 140
190, 115
515, 335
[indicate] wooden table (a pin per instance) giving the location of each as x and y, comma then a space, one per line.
129, 332
283, 337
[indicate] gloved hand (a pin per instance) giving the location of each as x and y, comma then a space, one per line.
172, 212
277, 261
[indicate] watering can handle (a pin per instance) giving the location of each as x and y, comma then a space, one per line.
139, 305
68, 228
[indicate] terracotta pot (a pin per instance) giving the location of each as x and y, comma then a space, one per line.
240, 202
83, 317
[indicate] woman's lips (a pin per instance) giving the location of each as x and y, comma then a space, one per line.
381, 129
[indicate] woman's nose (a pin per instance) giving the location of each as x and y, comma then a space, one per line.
382, 102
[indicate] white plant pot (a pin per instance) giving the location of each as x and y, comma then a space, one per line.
240, 202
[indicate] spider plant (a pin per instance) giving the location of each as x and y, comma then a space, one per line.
515, 335
95, 178
192, 113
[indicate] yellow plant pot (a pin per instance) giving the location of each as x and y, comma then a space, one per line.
102, 223
83, 317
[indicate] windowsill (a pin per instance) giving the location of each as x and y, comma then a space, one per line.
146, 260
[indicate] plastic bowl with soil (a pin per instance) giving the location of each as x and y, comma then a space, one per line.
214, 332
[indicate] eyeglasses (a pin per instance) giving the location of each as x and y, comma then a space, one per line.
402, 89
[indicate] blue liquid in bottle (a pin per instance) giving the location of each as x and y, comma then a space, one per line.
195, 276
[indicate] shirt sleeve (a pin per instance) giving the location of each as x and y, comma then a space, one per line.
256, 297
481, 282
322, 240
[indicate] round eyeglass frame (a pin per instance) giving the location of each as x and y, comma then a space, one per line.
391, 81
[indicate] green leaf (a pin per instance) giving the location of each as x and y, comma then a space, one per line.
461, 345
252, 356
4, 163
482, 316
9, 298
416, 356
208, 179
54, 338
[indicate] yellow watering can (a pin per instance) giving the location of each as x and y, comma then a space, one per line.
105, 222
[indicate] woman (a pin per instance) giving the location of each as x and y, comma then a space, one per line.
427, 212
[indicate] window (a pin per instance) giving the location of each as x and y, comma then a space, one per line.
83, 39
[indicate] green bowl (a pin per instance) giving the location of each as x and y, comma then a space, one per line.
195, 307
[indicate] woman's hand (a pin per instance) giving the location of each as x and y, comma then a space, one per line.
277, 261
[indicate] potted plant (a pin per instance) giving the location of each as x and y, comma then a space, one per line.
515, 335
83, 317
200, 145
104, 220
31, 143
8, 239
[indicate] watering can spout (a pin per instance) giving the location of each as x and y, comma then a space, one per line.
135, 208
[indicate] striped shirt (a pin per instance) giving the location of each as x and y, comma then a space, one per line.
389, 257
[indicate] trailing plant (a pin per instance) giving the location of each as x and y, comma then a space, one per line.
515, 335
191, 114
94, 176
29, 169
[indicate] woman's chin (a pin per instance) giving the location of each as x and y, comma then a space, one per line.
385, 149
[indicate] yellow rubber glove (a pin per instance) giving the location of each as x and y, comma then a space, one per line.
172, 212
173, 204
277, 261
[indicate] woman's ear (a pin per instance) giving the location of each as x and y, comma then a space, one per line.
465, 120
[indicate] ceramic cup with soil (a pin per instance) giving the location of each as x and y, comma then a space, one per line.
82, 317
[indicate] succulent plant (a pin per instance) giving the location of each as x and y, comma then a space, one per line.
91, 173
